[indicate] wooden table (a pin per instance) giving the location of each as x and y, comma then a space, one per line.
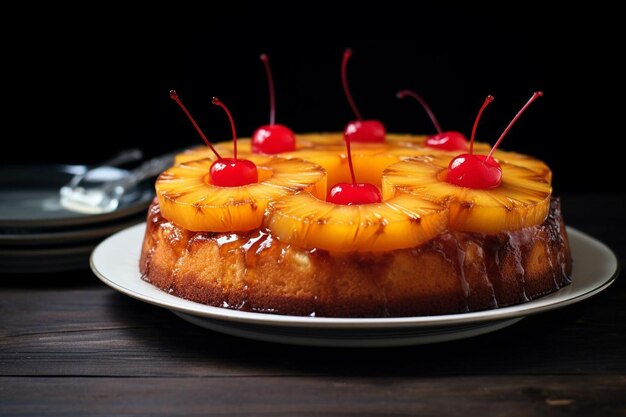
71, 346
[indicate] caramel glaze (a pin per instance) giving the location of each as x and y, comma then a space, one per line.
455, 272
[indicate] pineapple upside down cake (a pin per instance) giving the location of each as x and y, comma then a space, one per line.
279, 223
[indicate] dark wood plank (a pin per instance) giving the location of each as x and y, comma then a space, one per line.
70, 350
327, 396
98, 332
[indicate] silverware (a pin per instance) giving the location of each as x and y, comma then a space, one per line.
128, 155
101, 189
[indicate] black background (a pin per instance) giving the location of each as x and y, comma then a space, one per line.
81, 88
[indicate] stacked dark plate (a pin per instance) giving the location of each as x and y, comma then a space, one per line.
38, 234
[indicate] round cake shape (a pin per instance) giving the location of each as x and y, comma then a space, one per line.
454, 272
450, 270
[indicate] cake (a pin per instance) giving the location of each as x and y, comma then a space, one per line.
279, 223
429, 247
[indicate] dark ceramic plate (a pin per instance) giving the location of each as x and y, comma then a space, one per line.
29, 198
16, 239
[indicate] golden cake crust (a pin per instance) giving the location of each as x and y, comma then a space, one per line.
453, 273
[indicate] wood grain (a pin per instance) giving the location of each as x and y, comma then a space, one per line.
98, 332
75, 347
307, 396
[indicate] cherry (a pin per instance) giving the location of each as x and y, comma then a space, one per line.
272, 138
446, 141
365, 131
482, 171
224, 172
474, 171
359, 130
232, 172
349, 194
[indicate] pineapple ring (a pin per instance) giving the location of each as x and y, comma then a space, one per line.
244, 148
368, 163
525, 161
403, 221
326, 150
225, 149
189, 200
522, 199
329, 151
489, 213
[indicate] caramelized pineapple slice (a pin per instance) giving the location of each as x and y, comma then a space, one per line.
521, 200
403, 221
370, 160
320, 148
312, 140
525, 161
416, 142
187, 197
244, 149
225, 149
369, 163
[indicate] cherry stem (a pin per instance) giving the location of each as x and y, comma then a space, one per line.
217, 102
413, 94
534, 97
350, 161
344, 80
270, 83
174, 96
488, 100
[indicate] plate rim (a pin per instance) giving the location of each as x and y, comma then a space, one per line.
68, 236
85, 219
348, 339
27, 252
532, 307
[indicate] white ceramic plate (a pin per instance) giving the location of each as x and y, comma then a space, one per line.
116, 262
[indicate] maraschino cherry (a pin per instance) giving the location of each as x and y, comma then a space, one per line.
224, 172
349, 194
481, 171
272, 138
446, 141
232, 172
359, 130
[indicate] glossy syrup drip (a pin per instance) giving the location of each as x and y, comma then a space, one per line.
450, 250
506, 286
245, 249
558, 233
485, 279
153, 219
145, 262
225, 239
554, 256
255, 245
551, 263
519, 243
